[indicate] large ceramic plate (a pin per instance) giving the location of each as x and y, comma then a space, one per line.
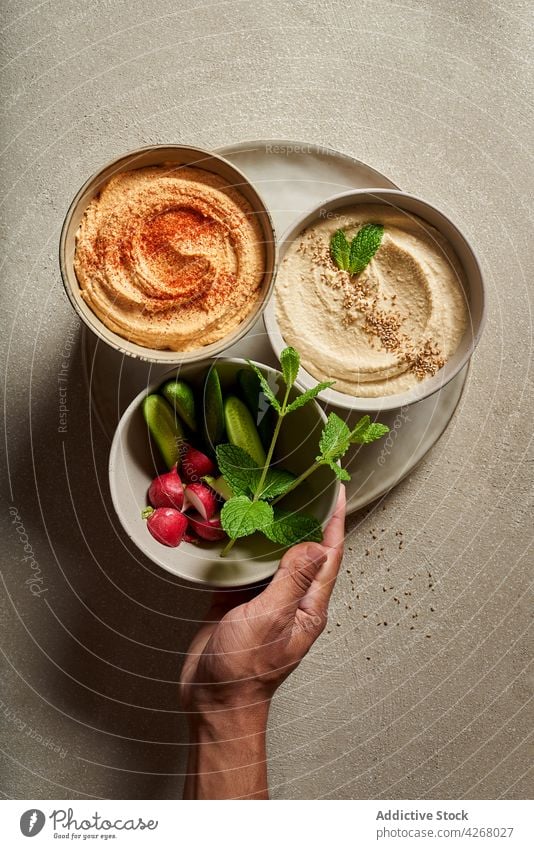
292, 177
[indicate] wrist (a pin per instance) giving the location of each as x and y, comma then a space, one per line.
218, 720
227, 757
232, 698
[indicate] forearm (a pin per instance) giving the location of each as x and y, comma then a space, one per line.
227, 755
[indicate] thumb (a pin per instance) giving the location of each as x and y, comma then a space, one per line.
296, 572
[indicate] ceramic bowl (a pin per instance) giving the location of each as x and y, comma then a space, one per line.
134, 462
173, 155
473, 285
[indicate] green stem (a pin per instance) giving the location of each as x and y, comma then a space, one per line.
227, 548
270, 452
268, 458
299, 480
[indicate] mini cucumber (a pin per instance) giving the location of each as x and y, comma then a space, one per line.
180, 396
262, 413
241, 430
164, 428
212, 405
220, 486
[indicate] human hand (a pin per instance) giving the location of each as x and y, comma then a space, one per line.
241, 655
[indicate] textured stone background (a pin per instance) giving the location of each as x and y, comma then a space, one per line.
438, 95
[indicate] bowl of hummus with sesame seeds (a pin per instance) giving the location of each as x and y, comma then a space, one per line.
168, 254
391, 329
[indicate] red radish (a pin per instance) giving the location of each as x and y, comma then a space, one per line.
167, 491
209, 530
190, 537
195, 464
201, 498
166, 524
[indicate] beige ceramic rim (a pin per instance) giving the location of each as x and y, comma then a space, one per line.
412, 205
158, 155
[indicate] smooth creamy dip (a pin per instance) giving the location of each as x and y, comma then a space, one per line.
170, 258
384, 330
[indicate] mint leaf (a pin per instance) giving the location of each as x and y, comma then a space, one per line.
340, 473
335, 438
290, 528
364, 246
269, 394
240, 516
238, 468
277, 481
242, 474
303, 399
340, 250
290, 362
360, 427
367, 431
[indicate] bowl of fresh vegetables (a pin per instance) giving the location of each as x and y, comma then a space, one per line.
217, 468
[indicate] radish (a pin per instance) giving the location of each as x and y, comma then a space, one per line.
209, 530
166, 525
191, 537
201, 498
195, 464
167, 491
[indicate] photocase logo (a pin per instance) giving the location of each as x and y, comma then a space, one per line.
31, 822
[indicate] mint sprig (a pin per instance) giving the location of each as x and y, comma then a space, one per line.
336, 439
367, 431
243, 475
268, 392
303, 399
290, 528
290, 362
257, 490
277, 482
357, 255
241, 517
238, 468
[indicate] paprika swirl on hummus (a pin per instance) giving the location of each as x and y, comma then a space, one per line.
170, 258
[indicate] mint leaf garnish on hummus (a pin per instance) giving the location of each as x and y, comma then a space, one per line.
356, 255
364, 246
340, 250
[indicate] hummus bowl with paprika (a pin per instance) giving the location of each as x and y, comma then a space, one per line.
168, 254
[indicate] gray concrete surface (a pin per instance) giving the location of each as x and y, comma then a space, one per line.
438, 95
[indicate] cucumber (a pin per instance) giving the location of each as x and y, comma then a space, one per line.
220, 486
164, 427
253, 396
241, 430
180, 396
213, 415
